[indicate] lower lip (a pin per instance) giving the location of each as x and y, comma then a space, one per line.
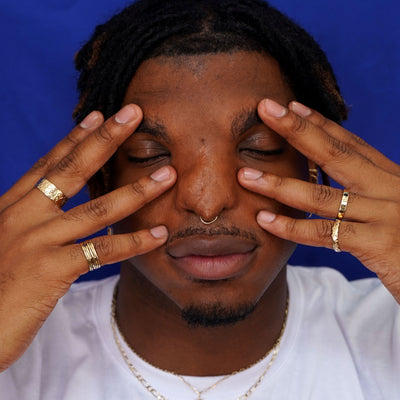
214, 268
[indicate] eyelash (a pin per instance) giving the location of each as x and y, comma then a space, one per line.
144, 160
264, 153
140, 160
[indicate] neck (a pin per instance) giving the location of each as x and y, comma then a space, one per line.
153, 326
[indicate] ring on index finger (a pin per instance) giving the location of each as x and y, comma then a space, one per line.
52, 192
91, 255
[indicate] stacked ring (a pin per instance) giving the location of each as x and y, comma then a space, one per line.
91, 255
335, 228
52, 192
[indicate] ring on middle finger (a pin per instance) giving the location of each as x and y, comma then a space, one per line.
343, 205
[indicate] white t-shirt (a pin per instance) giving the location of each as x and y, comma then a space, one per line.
342, 341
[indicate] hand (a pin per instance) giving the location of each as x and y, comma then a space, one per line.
39, 257
370, 229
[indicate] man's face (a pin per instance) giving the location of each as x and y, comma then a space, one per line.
200, 117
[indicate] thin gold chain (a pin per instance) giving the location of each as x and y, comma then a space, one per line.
156, 394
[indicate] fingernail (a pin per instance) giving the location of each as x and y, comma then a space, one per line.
126, 114
159, 232
90, 120
266, 217
251, 174
274, 109
161, 174
299, 109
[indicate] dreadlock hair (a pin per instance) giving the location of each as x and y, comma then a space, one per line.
151, 28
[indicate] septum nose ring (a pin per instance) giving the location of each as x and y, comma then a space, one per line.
209, 222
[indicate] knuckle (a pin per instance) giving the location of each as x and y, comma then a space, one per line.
337, 149
278, 181
97, 209
291, 227
324, 228
42, 164
104, 134
136, 241
72, 138
323, 122
299, 124
104, 247
138, 190
71, 162
322, 194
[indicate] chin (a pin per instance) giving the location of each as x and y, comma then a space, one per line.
216, 314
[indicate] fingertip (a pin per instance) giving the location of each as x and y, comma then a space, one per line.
249, 174
92, 120
265, 217
271, 108
128, 113
165, 173
300, 109
159, 232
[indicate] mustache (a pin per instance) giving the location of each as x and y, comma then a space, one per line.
214, 231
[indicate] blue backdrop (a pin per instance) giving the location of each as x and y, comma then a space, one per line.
37, 80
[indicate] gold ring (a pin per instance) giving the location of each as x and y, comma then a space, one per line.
335, 235
209, 221
52, 192
343, 204
91, 255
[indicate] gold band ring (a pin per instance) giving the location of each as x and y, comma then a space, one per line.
335, 235
52, 192
208, 222
91, 255
343, 204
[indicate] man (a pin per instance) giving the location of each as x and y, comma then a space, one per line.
214, 155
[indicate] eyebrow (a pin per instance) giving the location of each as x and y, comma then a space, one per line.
241, 123
154, 128
245, 120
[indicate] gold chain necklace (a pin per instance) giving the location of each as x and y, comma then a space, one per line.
156, 394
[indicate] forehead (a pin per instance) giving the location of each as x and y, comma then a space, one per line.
210, 86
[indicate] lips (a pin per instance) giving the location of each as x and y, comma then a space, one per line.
212, 258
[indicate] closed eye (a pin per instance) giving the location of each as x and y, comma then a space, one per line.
147, 160
263, 153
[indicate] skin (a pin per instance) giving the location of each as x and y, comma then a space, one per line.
195, 108
40, 258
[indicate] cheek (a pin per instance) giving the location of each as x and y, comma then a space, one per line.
157, 212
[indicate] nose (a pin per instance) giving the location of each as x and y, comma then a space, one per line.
206, 186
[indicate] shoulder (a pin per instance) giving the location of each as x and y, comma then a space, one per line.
331, 282
360, 308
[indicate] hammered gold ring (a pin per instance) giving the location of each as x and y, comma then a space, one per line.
343, 204
335, 235
91, 255
52, 192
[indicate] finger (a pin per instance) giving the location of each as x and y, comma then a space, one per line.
114, 248
316, 199
75, 169
349, 138
315, 232
90, 217
336, 158
48, 162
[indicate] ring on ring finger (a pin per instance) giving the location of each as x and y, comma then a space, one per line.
335, 227
91, 255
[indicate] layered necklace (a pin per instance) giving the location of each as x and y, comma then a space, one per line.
197, 392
